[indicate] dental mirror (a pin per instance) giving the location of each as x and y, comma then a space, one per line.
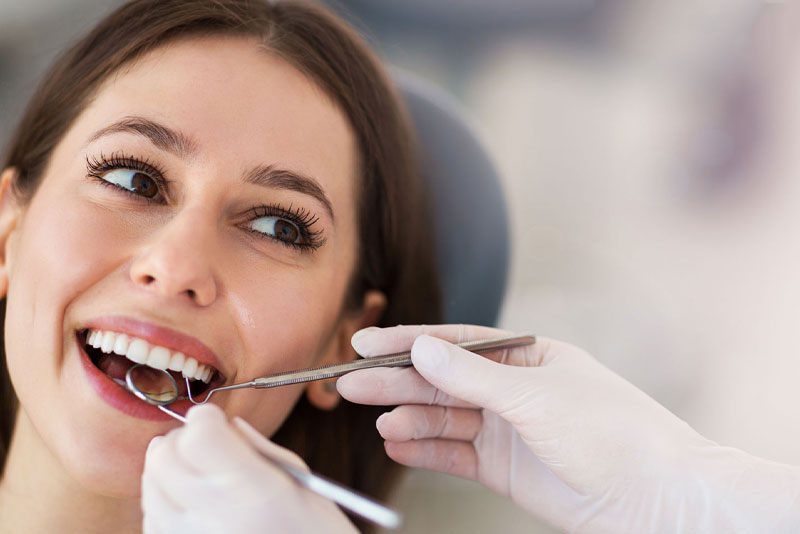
154, 386
157, 387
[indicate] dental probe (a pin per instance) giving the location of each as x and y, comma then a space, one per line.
399, 359
341, 495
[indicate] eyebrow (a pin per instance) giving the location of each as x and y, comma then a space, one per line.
270, 176
161, 136
182, 145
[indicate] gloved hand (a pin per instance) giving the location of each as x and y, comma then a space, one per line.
563, 437
206, 476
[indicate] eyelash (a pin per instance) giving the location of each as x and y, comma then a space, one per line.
97, 167
300, 217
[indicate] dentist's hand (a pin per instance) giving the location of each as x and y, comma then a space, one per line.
563, 437
206, 476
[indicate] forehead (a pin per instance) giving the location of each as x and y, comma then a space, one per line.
243, 106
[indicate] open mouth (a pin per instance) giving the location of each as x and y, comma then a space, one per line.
114, 353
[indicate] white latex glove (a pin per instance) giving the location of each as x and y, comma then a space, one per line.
206, 476
563, 437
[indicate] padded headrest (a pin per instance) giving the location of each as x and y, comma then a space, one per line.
469, 211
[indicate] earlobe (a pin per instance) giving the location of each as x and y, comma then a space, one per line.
323, 394
9, 216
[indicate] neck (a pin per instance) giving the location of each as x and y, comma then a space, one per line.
38, 495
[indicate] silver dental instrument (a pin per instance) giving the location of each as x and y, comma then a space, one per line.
162, 390
399, 359
158, 394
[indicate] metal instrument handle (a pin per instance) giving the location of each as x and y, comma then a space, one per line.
341, 495
390, 360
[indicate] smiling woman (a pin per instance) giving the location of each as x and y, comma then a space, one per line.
224, 189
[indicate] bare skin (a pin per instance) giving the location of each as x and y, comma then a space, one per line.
197, 259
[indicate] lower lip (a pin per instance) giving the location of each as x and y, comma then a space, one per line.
120, 398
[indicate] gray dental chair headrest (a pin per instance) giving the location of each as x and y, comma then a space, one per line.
469, 211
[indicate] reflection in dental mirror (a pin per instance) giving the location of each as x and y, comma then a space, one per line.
154, 386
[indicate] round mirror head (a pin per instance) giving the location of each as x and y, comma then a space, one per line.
154, 386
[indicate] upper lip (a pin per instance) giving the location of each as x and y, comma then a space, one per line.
158, 335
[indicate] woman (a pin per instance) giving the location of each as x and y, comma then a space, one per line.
545, 425
223, 188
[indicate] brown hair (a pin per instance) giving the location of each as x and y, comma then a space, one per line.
395, 249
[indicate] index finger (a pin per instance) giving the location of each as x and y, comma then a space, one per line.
375, 341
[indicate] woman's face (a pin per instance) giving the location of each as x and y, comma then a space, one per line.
203, 203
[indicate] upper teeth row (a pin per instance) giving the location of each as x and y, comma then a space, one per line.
140, 351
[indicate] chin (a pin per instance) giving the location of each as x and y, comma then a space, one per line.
108, 473
106, 461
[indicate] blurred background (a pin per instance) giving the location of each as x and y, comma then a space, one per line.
647, 151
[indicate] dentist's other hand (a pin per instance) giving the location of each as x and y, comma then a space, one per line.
206, 476
563, 437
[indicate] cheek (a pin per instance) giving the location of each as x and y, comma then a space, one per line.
286, 315
288, 323
61, 248
61, 244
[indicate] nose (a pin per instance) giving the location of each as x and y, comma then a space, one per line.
177, 261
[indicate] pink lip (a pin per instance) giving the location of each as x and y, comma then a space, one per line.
158, 335
120, 398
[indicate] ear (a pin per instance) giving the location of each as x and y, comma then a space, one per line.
9, 216
322, 393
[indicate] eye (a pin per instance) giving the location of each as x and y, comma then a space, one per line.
276, 227
291, 227
134, 181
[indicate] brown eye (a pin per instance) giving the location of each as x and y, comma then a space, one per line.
277, 228
286, 231
144, 185
136, 182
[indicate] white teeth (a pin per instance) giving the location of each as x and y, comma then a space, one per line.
189, 367
140, 351
176, 361
108, 342
158, 358
98, 338
121, 344
137, 351
201, 370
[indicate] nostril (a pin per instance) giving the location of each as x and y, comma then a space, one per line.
183, 280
